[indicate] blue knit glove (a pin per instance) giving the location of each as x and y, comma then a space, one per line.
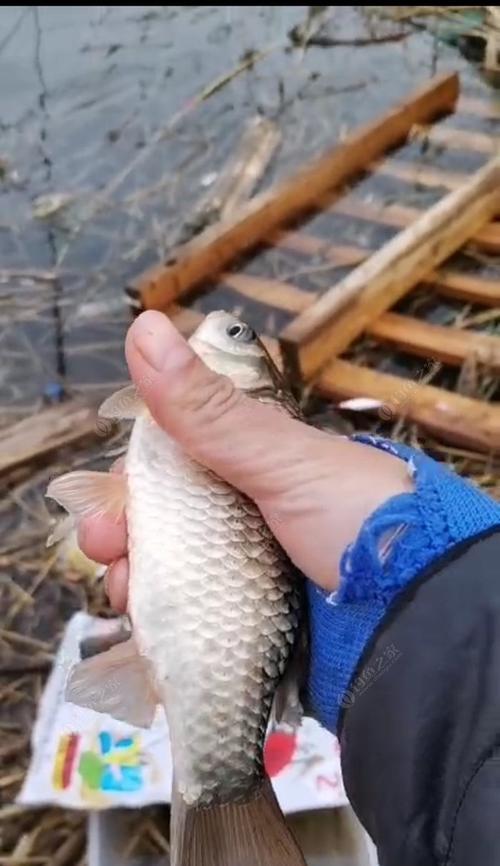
398, 541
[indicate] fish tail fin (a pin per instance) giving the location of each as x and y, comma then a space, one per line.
252, 833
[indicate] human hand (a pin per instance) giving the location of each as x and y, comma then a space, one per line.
315, 490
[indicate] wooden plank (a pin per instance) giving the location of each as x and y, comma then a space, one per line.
212, 251
60, 426
283, 296
340, 255
400, 216
457, 139
466, 287
286, 296
489, 108
452, 284
452, 417
420, 175
327, 327
449, 345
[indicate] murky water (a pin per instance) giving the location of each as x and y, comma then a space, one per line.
103, 106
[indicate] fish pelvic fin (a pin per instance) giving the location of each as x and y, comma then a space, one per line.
85, 494
251, 833
119, 682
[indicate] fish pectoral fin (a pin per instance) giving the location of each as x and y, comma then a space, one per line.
90, 493
118, 682
125, 403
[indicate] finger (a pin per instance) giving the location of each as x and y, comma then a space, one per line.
102, 538
218, 425
118, 466
116, 583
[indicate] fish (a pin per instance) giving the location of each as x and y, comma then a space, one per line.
216, 612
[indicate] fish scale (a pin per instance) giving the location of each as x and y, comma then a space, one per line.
221, 614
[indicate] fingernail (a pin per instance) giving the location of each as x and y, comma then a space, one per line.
159, 342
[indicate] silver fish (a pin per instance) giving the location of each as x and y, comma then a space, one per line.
215, 608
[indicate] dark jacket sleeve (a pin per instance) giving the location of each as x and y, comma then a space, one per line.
420, 728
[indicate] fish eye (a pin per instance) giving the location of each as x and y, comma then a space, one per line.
242, 333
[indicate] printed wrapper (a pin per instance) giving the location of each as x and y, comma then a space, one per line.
82, 759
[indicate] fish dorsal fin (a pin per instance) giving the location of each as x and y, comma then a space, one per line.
90, 493
118, 682
125, 403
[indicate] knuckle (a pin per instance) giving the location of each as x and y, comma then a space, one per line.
208, 397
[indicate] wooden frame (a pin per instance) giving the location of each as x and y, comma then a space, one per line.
323, 326
343, 313
216, 247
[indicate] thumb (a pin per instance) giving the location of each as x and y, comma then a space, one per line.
215, 423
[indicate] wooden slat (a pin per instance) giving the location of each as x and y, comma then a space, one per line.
218, 245
480, 107
420, 175
450, 283
35, 438
283, 296
399, 216
286, 296
449, 345
340, 255
466, 287
327, 327
458, 139
452, 417
489, 238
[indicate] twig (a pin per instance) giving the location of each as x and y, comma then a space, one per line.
317, 16
24, 861
13, 749
24, 640
12, 688
15, 27
248, 61
309, 271
11, 811
70, 848
21, 666
324, 41
7, 781
157, 836
27, 274
481, 318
